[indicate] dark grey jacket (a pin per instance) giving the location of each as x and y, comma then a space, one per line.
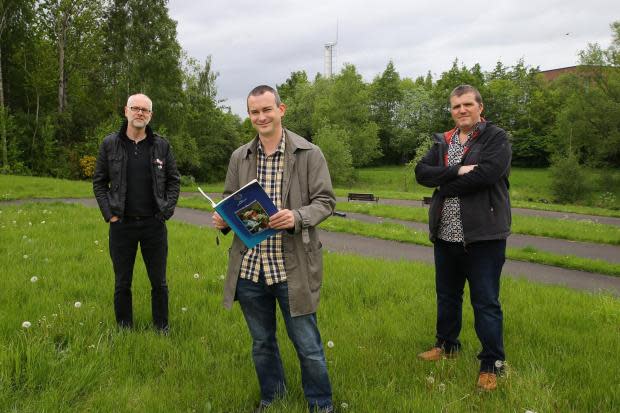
110, 178
483, 192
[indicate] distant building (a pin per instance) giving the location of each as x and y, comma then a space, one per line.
555, 73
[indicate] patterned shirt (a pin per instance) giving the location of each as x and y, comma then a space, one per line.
451, 225
269, 254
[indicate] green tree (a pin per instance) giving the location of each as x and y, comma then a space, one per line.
386, 95
334, 143
344, 101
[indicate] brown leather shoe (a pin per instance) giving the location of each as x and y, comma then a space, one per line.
436, 354
487, 381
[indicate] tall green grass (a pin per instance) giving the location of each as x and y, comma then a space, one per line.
561, 344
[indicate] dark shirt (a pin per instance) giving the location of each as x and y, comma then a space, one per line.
140, 201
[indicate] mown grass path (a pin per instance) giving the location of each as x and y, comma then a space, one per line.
372, 247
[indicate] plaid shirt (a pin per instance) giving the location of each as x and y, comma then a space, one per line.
268, 255
451, 225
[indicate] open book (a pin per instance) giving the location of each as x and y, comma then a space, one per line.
247, 212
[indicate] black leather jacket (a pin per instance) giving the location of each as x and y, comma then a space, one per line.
110, 178
483, 192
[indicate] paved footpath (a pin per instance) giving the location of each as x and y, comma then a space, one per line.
393, 250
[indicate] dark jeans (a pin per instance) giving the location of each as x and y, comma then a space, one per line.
479, 263
258, 303
152, 236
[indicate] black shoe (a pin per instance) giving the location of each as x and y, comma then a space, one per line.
262, 407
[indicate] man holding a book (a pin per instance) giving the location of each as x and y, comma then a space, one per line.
286, 267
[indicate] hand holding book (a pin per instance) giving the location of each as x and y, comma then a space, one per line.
247, 212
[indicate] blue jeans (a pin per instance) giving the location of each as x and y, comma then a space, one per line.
480, 263
258, 303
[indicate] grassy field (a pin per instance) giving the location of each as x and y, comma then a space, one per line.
378, 314
529, 188
22, 187
401, 233
574, 230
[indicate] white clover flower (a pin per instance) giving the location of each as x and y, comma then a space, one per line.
42, 222
344, 405
81, 323
330, 344
26, 324
19, 211
196, 276
430, 379
54, 315
29, 223
222, 277
184, 309
46, 259
34, 279
442, 387
499, 364
24, 236
529, 411
96, 242
77, 304
91, 346
25, 256
15, 222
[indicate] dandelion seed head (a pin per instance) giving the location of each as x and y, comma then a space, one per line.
330, 344
26, 324
442, 387
25, 256
499, 364
430, 379
77, 304
344, 405
91, 346
529, 411
34, 279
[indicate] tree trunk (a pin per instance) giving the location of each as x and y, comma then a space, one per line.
61, 70
3, 120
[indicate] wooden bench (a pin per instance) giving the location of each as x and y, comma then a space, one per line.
352, 196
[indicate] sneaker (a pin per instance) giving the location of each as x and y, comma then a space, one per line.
436, 354
487, 381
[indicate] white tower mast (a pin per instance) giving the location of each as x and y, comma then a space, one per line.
329, 56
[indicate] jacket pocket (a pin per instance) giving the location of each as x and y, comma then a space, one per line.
315, 268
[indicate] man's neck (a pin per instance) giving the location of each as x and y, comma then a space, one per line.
270, 143
135, 134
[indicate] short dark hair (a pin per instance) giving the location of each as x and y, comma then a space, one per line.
259, 90
463, 89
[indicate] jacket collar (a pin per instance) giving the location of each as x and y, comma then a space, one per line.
123, 131
293, 143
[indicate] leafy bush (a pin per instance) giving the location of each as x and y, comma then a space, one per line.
567, 179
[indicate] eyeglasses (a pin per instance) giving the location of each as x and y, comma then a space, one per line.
138, 109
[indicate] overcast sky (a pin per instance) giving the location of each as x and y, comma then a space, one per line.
256, 42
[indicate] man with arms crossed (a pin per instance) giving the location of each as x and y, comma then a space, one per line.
469, 221
288, 266
136, 184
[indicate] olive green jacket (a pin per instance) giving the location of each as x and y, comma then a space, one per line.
307, 191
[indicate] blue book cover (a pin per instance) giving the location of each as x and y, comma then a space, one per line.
247, 212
